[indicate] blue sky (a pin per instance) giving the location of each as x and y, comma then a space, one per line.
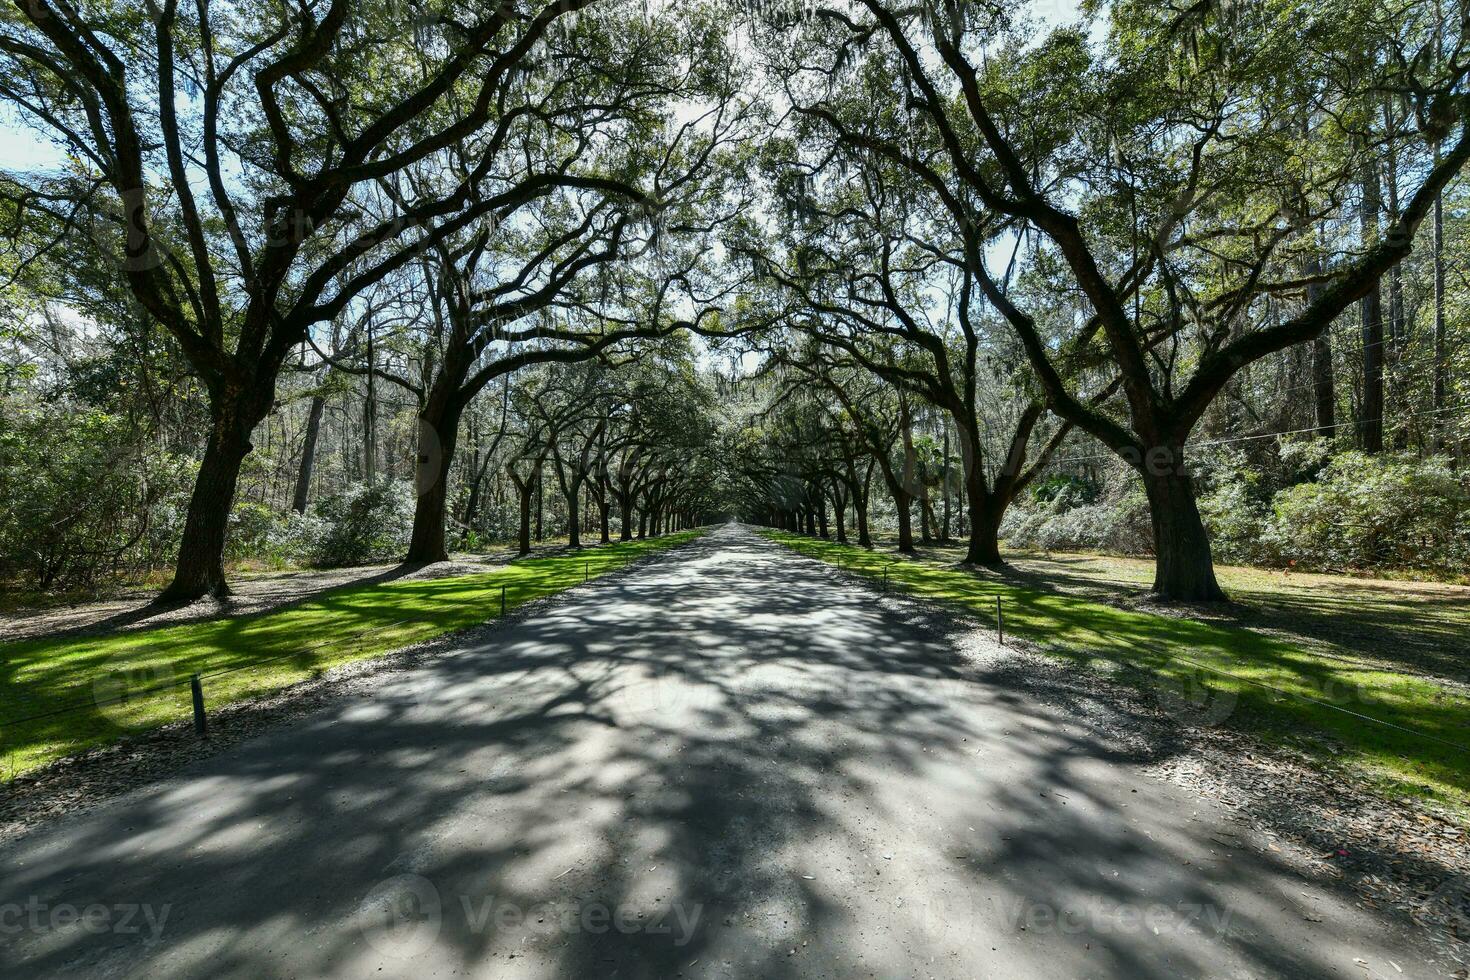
21, 148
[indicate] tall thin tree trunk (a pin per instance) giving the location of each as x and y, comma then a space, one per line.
860, 505
1324, 384
523, 493
839, 512
308, 454
944, 528
1440, 379
903, 501
540, 507
370, 416
1370, 421
574, 528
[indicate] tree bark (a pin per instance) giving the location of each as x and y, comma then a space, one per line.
986, 502
438, 432
574, 530
1184, 569
1440, 379
1370, 419
985, 517
308, 453
200, 569
944, 484
625, 511
540, 508
905, 522
839, 512
1324, 386
523, 491
526, 488
904, 496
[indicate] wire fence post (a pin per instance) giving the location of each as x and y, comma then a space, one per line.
586, 572
201, 723
1000, 623
502, 600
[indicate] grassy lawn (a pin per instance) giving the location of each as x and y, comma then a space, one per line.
89, 675
1415, 627
1220, 671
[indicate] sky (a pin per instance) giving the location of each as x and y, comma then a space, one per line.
20, 147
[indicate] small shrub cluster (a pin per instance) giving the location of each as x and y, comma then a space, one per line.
363, 524
83, 498
1079, 515
367, 522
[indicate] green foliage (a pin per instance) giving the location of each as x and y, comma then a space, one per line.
1120, 525
1072, 513
365, 523
1393, 511
1074, 489
81, 497
260, 533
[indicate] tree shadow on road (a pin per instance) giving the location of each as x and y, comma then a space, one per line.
717, 767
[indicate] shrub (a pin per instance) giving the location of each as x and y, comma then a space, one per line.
1067, 490
1119, 522
367, 522
1235, 502
82, 496
1375, 512
260, 533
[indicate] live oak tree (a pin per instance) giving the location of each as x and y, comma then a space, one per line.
1170, 178
591, 245
232, 152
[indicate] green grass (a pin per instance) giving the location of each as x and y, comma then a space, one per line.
1225, 666
354, 622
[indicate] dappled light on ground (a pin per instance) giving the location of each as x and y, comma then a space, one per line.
1284, 690
61, 695
728, 764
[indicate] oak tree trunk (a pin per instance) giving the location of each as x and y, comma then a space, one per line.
1184, 568
985, 513
438, 432
200, 568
